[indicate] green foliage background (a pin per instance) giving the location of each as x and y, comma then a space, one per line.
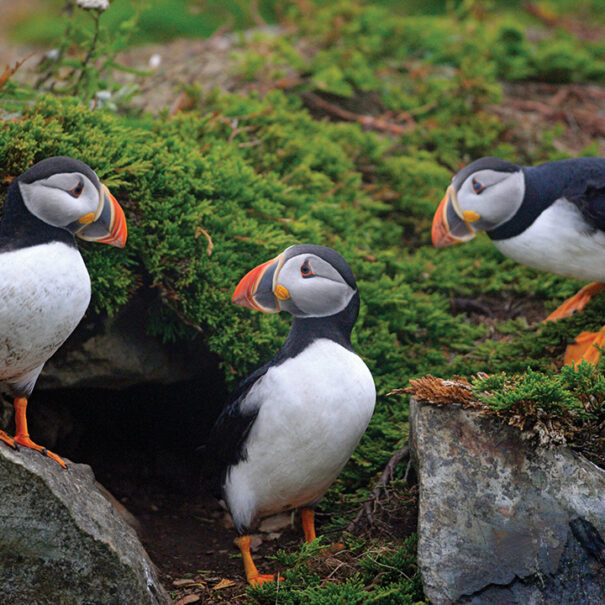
255, 174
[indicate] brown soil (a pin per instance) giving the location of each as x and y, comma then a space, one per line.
189, 538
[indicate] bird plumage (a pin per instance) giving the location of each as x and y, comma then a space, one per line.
44, 284
291, 426
311, 412
549, 217
44, 292
579, 181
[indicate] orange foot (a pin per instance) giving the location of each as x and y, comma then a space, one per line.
25, 441
8, 440
577, 302
261, 578
254, 578
22, 434
583, 348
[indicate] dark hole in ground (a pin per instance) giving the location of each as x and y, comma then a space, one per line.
141, 444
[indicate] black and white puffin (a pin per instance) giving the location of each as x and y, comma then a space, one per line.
550, 217
44, 284
292, 425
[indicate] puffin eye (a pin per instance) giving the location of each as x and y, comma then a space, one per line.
77, 190
305, 269
477, 186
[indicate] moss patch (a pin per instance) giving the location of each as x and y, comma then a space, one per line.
549, 409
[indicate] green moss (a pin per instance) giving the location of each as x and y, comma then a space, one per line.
564, 407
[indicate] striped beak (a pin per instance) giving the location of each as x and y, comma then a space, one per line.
448, 225
256, 289
108, 225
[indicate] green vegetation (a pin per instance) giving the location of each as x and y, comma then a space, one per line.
363, 573
160, 20
212, 192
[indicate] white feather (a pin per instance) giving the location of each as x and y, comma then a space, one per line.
314, 409
559, 241
44, 292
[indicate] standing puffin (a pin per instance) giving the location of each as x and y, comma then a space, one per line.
550, 217
292, 425
44, 284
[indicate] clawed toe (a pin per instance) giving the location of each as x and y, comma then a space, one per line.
28, 443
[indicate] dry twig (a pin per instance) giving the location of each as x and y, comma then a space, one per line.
10, 71
371, 122
369, 506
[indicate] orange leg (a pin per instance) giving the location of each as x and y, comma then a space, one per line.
583, 348
22, 434
307, 516
252, 574
577, 302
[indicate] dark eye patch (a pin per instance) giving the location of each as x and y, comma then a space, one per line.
77, 190
477, 186
305, 269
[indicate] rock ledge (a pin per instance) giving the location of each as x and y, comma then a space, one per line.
501, 522
62, 541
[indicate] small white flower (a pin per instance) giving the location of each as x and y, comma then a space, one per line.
52, 54
155, 60
95, 5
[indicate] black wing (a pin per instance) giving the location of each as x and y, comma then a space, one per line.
226, 444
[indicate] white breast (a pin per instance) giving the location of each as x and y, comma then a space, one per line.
314, 408
560, 242
44, 292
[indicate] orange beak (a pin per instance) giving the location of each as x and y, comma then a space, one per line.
448, 228
255, 290
118, 231
110, 225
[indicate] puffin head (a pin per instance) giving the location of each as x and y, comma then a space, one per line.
66, 193
305, 280
482, 196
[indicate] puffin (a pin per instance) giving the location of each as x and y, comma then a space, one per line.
44, 284
549, 217
290, 427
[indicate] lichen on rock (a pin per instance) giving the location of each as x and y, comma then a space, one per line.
501, 521
62, 541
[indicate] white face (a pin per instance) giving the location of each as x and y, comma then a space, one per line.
489, 198
62, 199
314, 288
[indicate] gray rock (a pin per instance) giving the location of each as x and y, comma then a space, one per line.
501, 522
118, 352
62, 542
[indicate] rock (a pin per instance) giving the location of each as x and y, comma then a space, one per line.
61, 540
501, 522
275, 523
117, 352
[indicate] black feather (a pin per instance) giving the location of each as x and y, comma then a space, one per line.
579, 180
19, 228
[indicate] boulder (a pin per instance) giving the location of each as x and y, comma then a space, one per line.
118, 352
500, 520
62, 541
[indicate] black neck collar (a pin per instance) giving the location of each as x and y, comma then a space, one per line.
305, 330
19, 228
